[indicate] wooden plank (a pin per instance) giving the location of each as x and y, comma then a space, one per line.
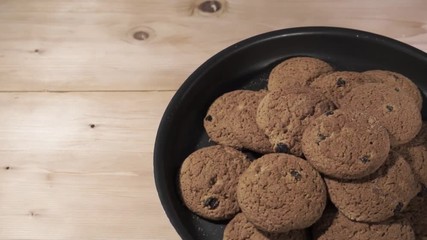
90, 45
62, 179
125, 122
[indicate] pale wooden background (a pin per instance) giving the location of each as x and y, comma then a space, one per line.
65, 65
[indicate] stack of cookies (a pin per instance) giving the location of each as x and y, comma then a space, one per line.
342, 155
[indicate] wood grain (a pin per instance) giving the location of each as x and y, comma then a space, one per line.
83, 85
90, 45
79, 166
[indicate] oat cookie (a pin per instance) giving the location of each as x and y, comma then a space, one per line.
378, 196
208, 180
231, 121
415, 153
335, 226
345, 144
281, 192
297, 71
284, 115
336, 85
398, 81
241, 228
395, 110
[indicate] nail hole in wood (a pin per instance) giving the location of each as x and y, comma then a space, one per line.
33, 214
92, 125
7, 168
141, 35
36, 50
210, 6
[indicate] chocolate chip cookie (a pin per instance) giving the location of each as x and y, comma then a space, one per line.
281, 192
230, 121
297, 71
398, 81
208, 180
241, 228
284, 115
415, 153
395, 110
378, 196
346, 144
336, 85
335, 226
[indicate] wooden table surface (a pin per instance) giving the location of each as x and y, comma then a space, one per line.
83, 85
